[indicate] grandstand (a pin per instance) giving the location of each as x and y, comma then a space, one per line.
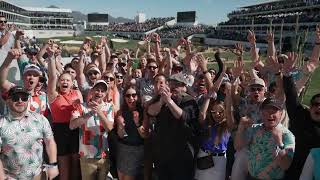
39, 22
291, 17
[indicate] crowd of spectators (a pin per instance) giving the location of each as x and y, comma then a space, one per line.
302, 18
273, 6
158, 114
231, 35
183, 31
138, 27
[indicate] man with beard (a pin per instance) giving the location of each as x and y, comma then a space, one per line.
31, 75
95, 119
174, 137
22, 136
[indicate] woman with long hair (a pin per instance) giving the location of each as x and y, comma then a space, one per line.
130, 150
217, 120
63, 99
113, 92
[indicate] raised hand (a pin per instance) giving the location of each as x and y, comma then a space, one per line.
272, 64
251, 37
270, 37
202, 61
181, 42
238, 68
310, 67
14, 54
238, 49
156, 37
19, 33
289, 64
103, 40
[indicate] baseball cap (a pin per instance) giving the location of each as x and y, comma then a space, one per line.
32, 67
92, 67
272, 102
17, 90
258, 81
183, 78
100, 82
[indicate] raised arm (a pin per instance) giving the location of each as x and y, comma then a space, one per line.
52, 76
203, 64
18, 36
81, 78
169, 66
229, 107
42, 52
271, 51
4, 69
256, 61
292, 99
240, 140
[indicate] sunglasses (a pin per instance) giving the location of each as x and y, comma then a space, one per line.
108, 78
91, 73
152, 67
17, 97
254, 89
119, 77
131, 95
3, 21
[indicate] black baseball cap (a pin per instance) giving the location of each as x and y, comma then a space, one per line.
17, 90
272, 102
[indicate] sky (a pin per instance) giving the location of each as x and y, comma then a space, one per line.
207, 11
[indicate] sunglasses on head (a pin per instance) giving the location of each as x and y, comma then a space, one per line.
254, 89
108, 78
131, 95
17, 97
91, 73
3, 21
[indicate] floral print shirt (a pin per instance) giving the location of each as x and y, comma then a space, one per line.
263, 150
21, 143
92, 135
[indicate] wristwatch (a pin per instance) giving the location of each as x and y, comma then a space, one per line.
51, 165
281, 147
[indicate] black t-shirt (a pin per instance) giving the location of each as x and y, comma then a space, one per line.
133, 137
171, 135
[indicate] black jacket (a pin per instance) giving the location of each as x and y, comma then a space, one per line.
305, 130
